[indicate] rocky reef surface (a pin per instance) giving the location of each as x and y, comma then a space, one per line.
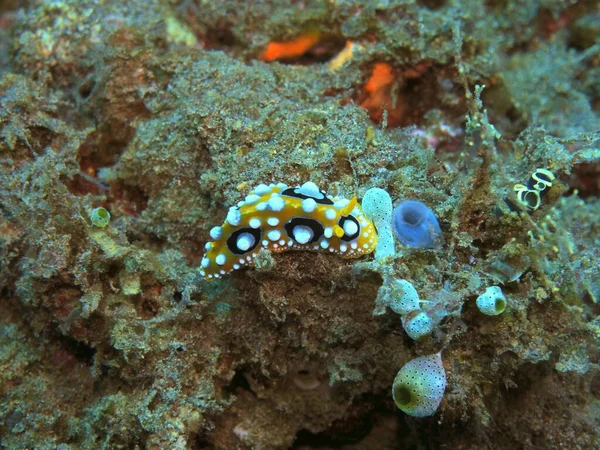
168, 112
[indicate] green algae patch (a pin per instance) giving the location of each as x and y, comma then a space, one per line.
108, 245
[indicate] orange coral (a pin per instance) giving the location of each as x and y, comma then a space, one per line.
276, 51
402, 93
378, 94
381, 77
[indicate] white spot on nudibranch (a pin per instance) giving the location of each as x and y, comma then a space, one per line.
234, 216
255, 222
245, 241
220, 259
341, 204
328, 232
309, 205
309, 189
276, 204
262, 189
302, 234
205, 262
274, 235
350, 227
216, 233
252, 198
273, 221
330, 214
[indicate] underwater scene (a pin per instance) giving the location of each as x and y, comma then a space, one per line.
299, 224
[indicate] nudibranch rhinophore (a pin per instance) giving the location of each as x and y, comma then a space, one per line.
279, 218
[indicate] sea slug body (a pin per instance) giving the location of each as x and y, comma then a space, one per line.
279, 218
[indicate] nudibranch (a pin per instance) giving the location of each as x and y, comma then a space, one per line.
279, 218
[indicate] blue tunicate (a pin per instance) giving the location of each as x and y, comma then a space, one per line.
416, 225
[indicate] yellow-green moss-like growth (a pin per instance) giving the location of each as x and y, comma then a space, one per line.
419, 386
100, 217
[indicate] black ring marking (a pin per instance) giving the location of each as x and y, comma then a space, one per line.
542, 179
314, 225
525, 199
232, 240
290, 192
345, 237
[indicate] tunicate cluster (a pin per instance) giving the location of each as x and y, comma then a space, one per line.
402, 298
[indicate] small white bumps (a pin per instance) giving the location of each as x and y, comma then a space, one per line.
309, 189
309, 205
245, 241
341, 204
262, 189
251, 198
276, 204
350, 228
302, 234
274, 235
216, 233
234, 216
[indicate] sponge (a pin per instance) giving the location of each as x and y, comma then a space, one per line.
419, 386
377, 206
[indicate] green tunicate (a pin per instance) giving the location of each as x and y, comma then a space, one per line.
100, 217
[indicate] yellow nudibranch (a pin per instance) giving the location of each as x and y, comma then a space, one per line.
279, 218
